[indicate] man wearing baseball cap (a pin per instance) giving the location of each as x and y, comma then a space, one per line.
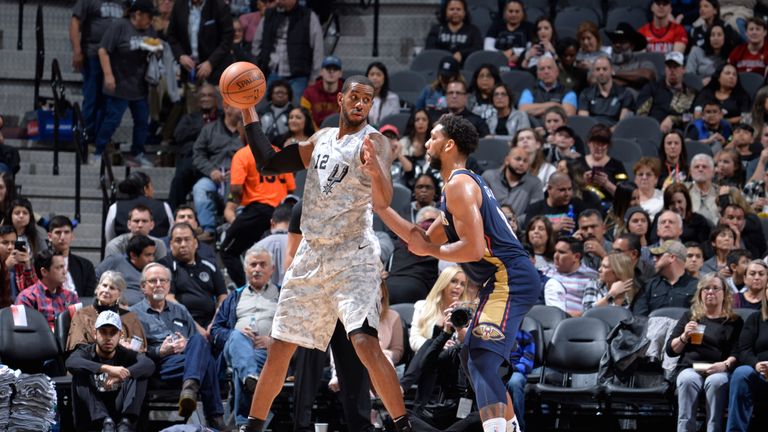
109, 381
320, 98
673, 286
669, 99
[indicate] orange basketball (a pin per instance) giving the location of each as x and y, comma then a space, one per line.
242, 85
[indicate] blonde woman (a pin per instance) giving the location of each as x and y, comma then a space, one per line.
108, 291
429, 314
713, 354
615, 284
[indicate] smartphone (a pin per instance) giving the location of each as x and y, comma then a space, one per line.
20, 245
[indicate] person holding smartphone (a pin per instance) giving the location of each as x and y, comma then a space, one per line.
15, 264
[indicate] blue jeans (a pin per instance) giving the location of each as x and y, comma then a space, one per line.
298, 84
198, 364
204, 205
244, 360
746, 387
516, 388
113, 115
94, 100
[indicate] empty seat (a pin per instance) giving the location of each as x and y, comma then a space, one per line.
751, 82
581, 125
549, 317
573, 16
491, 152
482, 18
634, 16
669, 312
400, 121
478, 58
517, 81
407, 80
428, 60
645, 130
610, 315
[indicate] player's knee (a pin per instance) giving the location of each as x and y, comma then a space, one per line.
280, 349
366, 346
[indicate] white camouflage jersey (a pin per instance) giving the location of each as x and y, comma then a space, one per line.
337, 193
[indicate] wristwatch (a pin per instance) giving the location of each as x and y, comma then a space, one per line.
609, 298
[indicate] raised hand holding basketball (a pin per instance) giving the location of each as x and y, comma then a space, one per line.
242, 85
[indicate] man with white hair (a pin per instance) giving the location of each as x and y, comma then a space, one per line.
669, 226
242, 325
673, 286
703, 191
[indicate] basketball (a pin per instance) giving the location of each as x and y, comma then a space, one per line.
242, 85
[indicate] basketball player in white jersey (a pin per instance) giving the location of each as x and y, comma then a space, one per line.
336, 271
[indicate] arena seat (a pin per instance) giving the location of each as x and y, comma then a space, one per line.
611, 315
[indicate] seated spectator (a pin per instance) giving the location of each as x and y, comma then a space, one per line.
606, 171
744, 222
695, 227
7, 191
108, 292
615, 284
48, 295
454, 32
629, 245
17, 270
625, 197
109, 380
186, 213
385, 101
554, 118
456, 104
702, 188
571, 277
590, 46
709, 16
710, 129
410, 276
432, 97
242, 325
565, 145
629, 70
511, 34
694, 260
716, 348
705, 59
275, 243
212, 155
425, 194
428, 314
575, 169
543, 42
674, 159
481, 88
738, 263
416, 133
137, 189
604, 100
756, 167
729, 170
140, 222
521, 360
531, 142
80, 272
139, 252
722, 240
512, 184
668, 99
751, 55
540, 236
638, 223
592, 233
21, 216
558, 205
548, 91
672, 287
176, 348
669, 226
274, 117
300, 128
320, 98
725, 87
743, 141
647, 171
663, 33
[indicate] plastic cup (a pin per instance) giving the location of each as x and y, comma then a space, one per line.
321, 427
697, 336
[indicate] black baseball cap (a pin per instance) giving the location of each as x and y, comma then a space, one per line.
147, 6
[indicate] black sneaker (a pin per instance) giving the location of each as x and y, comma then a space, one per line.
250, 383
108, 425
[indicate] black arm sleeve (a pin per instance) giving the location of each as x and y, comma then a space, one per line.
268, 161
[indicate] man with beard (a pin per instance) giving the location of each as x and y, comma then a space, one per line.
336, 271
672, 287
559, 205
605, 101
592, 233
668, 99
629, 70
703, 191
513, 185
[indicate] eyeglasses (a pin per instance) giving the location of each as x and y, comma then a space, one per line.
157, 281
500, 94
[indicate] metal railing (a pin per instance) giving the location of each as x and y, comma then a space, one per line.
375, 43
19, 45
108, 186
39, 53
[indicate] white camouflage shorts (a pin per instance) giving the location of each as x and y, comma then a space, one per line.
326, 282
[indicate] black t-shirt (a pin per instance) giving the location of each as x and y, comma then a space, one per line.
196, 286
505, 39
95, 18
127, 58
555, 213
721, 339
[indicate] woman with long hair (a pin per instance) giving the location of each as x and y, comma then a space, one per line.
505, 119
21, 216
713, 53
7, 191
511, 34
484, 82
615, 284
543, 42
540, 235
414, 142
590, 46
725, 87
385, 101
647, 172
755, 282
605, 172
674, 159
300, 127
728, 168
575, 169
428, 315
136, 189
626, 196
760, 110
705, 340
531, 142
455, 32
695, 226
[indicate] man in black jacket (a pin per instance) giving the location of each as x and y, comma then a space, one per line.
81, 276
109, 381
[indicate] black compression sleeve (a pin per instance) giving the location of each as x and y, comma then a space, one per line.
268, 161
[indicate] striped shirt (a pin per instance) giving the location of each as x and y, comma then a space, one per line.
573, 286
50, 304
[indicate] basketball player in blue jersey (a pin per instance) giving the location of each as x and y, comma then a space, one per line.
473, 232
335, 273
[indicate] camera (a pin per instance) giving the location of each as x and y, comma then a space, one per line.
460, 316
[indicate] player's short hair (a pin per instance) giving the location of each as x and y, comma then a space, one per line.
461, 131
355, 79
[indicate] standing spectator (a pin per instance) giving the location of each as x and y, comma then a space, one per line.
109, 381
320, 98
432, 97
22, 217
289, 45
137, 189
48, 295
710, 129
672, 287
506, 120
547, 92
751, 55
725, 87
274, 117
456, 104
669, 99
257, 195
80, 272
717, 348
571, 277
123, 55
140, 222
512, 184
605, 100
455, 32
703, 60
90, 20
510, 35
628, 69
140, 252
385, 101
213, 152
663, 33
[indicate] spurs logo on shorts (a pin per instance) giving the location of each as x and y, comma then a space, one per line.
487, 332
334, 178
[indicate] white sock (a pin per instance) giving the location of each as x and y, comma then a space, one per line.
513, 425
495, 425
